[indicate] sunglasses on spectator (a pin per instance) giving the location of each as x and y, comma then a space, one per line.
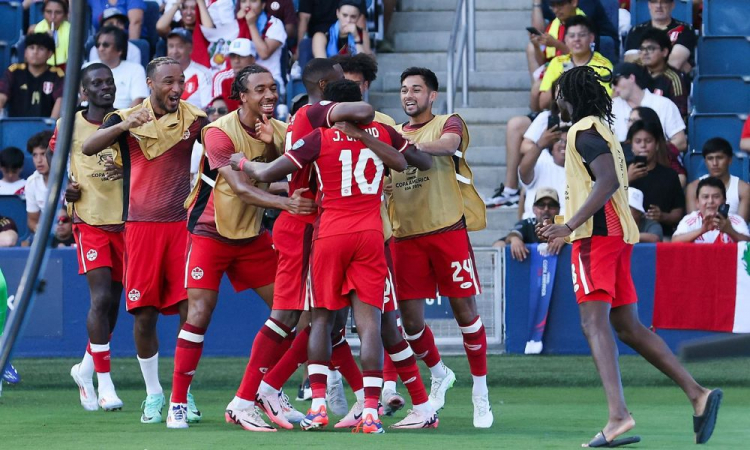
649, 48
220, 110
547, 205
63, 219
103, 44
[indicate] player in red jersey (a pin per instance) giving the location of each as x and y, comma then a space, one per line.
348, 266
156, 140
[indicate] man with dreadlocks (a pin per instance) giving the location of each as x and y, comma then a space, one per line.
598, 222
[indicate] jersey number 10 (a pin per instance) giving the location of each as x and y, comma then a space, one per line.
365, 187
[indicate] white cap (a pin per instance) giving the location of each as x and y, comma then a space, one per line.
635, 198
241, 47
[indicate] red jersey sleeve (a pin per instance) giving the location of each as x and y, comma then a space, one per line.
306, 150
219, 148
397, 141
53, 141
318, 114
746, 129
454, 125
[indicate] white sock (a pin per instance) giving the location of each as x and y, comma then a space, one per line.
105, 383
372, 411
389, 386
480, 385
334, 376
317, 403
241, 403
267, 389
86, 369
438, 370
425, 407
150, 371
511, 191
360, 394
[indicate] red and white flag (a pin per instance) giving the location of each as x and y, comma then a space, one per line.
703, 287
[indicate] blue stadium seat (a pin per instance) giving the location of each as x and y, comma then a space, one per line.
36, 13
696, 166
726, 18
11, 21
16, 131
145, 48
683, 11
724, 56
150, 17
703, 127
4, 55
721, 94
12, 206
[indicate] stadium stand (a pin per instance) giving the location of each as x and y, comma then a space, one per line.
150, 17
726, 18
717, 55
14, 207
706, 126
683, 11
721, 94
11, 21
17, 130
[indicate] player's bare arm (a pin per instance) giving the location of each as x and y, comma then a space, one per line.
105, 137
389, 155
447, 145
253, 195
265, 172
72, 192
359, 112
418, 159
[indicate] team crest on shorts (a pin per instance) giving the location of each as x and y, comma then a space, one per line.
134, 295
186, 135
196, 273
91, 255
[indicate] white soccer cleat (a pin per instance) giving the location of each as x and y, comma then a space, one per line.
483, 416
272, 406
353, 417
85, 389
417, 419
109, 401
335, 396
249, 419
177, 416
152, 408
392, 402
290, 412
439, 387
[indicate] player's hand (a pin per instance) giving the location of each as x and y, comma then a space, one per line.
636, 171
388, 188
72, 192
137, 118
518, 250
112, 170
349, 129
298, 204
552, 231
234, 161
264, 129
654, 213
549, 137
555, 245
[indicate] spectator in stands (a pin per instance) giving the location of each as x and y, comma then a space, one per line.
632, 84
63, 231
344, 36
708, 224
285, 12
130, 78
654, 51
315, 18
542, 163
680, 33
11, 165
717, 153
189, 11
647, 114
216, 108
546, 207
197, 77
134, 9
360, 68
544, 47
267, 34
241, 54
33, 88
8, 234
660, 185
116, 18
36, 184
579, 35
650, 230
56, 24
745, 137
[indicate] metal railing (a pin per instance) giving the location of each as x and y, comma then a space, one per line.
462, 42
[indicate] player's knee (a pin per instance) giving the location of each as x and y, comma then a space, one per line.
412, 325
287, 317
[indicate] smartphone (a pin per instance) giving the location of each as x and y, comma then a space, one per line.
724, 210
552, 121
533, 31
640, 160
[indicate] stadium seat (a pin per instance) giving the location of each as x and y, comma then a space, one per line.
161, 48
150, 17
145, 48
696, 166
726, 18
36, 13
16, 131
703, 127
724, 56
12, 206
5, 50
683, 11
721, 94
11, 21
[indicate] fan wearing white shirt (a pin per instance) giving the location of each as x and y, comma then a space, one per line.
197, 77
631, 83
11, 165
542, 164
36, 184
708, 224
116, 18
130, 78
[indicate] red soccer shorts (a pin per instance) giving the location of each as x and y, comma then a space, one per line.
155, 265
248, 266
437, 263
348, 262
389, 295
99, 248
601, 270
292, 239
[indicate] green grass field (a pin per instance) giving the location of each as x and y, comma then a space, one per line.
539, 403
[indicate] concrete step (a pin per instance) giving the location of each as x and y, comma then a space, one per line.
485, 238
483, 135
434, 41
516, 80
497, 61
450, 5
443, 20
487, 178
477, 99
486, 156
488, 115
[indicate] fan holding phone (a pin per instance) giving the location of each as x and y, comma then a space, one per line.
711, 222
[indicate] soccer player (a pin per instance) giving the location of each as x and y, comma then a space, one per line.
155, 140
226, 234
98, 231
348, 266
431, 212
599, 224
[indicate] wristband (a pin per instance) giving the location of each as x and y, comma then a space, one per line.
242, 163
571, 230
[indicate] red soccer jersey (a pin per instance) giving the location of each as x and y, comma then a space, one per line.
155, 190
350, 177
307, 119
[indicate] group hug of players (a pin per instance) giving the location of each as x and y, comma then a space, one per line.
340, 243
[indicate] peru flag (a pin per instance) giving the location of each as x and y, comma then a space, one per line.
703, 287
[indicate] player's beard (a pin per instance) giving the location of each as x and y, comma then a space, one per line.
421, 108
